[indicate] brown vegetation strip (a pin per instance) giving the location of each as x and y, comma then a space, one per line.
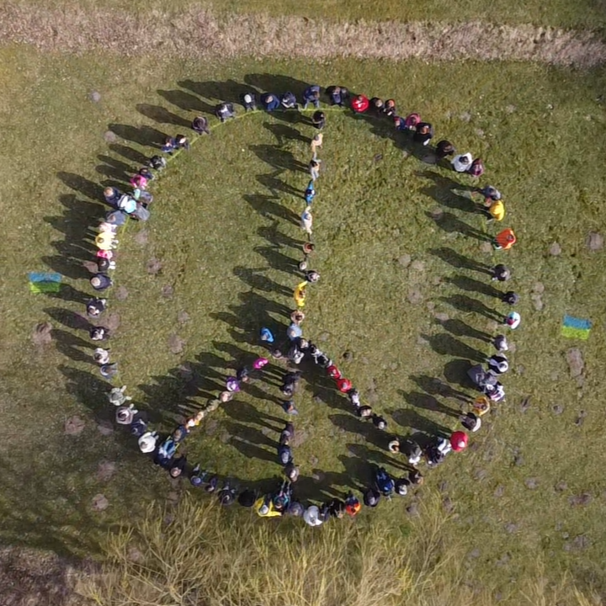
199, 33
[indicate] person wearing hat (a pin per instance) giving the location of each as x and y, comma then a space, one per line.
338, 95
360, 104
225, 111
104, 265
512, 320
333, 372
101, 356
458, 441
106, 241
270, 102
311, 95
125, 414
504, 240
200, 125
147, 442
249, 102
364, 412
394, 446
462, 162
289, 101
500, 272
100, 281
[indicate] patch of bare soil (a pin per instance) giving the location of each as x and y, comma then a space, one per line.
200, 33
32, 578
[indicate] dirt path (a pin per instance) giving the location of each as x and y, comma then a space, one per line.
202, 34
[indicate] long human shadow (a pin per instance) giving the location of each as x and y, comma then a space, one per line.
458, 328
472, 285
446, 345
444, 190
459, 261
451, 224
468, 304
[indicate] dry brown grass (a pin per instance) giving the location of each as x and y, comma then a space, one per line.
199, 33
193, 560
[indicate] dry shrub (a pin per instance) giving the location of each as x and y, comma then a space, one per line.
197, 558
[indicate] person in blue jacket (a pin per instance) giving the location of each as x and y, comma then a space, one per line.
270, 102
338, 95
311, 95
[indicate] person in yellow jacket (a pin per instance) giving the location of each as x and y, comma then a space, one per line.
299, 294
264, 507
496, 211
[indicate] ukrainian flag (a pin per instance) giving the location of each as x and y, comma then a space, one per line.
44, 281
575, 328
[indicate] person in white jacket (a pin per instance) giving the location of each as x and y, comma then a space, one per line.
462, 162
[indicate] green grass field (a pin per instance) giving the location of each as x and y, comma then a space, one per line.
224, 233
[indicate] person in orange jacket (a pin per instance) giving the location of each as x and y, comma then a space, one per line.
505, 239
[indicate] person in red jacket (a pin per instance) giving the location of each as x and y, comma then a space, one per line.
505, 239
360, 104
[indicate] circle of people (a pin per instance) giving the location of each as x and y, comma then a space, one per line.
135, 205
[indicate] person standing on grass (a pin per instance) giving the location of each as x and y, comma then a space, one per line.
338, 95
500, 272
307, 221
249, 102
360, 104
112, 196
310, 193
318, 120
156, 162
470, 421
289, 101
100, 281
377, 106
504, 240
462, 162
225, 111
490, 193
496, 211
170, 146
311, 95
270, 102
200, 125
512, 320
510, 297
423, 133
316, 142
389, 109
500, 343
95, 307
444, 149
476, 168
314, 168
